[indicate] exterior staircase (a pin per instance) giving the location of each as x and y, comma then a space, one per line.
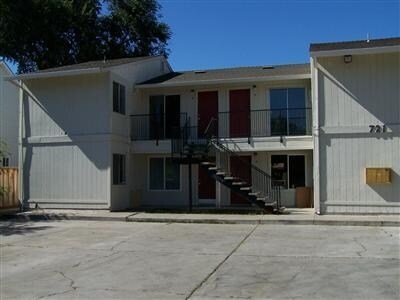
214, 157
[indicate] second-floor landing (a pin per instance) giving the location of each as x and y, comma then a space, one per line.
252, 109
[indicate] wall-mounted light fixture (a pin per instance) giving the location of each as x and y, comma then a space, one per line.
348, 59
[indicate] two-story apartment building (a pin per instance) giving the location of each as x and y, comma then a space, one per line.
262, 113
132, 132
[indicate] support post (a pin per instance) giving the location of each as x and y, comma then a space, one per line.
190, 182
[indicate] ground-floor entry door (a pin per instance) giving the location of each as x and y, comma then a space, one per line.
207, 109
206, 186
238, 169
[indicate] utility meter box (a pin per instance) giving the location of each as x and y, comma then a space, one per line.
378, 175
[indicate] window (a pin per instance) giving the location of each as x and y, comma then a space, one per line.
164, 174
165, 116
119, 176
279, 170
288, 171
118, 98
288, 111
6, 162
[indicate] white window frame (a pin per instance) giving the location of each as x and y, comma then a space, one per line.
287, 87
164, 177
287, 187
164, 106
119, 111
123, 180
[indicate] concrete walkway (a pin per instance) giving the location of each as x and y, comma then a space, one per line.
293, 216
54, 260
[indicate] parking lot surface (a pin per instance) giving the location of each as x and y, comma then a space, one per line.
119, 260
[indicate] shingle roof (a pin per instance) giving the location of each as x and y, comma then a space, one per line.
315, 47
175, 78
95, 64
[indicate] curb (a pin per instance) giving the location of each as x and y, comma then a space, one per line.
131, 218
266, 222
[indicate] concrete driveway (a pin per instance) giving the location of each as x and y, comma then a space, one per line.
118, 260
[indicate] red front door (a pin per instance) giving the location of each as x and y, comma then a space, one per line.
206, 185
207, 109
239, 169
239, 113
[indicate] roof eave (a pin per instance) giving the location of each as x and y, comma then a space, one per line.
53, 74
6, 68
224, 81
372, 50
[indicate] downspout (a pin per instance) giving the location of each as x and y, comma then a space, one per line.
20, 146
315, 130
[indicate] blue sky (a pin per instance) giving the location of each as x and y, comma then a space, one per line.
219, 33
227, 33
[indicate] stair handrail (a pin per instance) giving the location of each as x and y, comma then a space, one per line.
215, 140
273, 191
212, 139
218, 144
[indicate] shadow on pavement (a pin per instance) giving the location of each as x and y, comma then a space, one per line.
18, 228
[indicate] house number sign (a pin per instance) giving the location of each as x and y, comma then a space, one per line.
377, 128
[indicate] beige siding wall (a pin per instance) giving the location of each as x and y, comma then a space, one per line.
128, 75
352, 97
66, 175
66, 142
68, 106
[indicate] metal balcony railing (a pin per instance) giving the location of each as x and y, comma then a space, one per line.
239, 124
265, 123
156, 126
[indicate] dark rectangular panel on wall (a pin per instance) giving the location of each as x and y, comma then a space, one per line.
207, 110
172, 115
156, 118
239, 113
297, 171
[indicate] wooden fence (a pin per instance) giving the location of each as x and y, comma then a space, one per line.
9, 188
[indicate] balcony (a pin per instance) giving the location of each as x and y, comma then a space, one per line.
146, 127
250, 124
265, 123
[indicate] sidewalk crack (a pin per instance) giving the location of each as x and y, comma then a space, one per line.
221, 263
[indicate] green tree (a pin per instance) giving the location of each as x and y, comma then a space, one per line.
39, 34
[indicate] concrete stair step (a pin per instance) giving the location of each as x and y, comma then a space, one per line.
239, 183
207, 163
245, 188
253, 193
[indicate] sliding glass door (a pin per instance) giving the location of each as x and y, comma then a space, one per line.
164, 116
288, 111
